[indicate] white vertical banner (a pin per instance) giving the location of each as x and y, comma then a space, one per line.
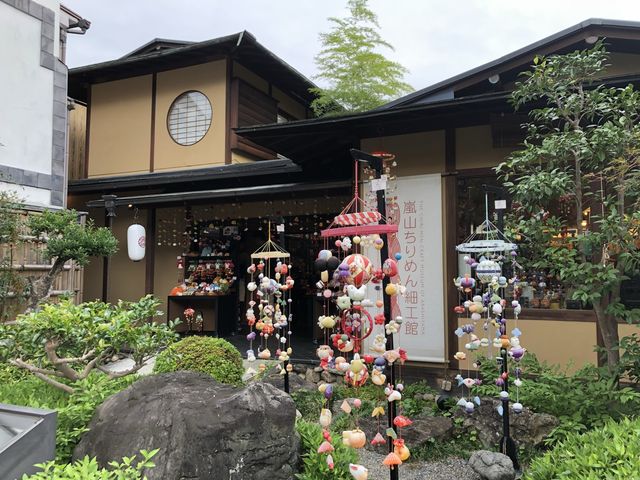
419, 241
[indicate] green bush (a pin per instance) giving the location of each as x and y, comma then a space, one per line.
88, 469
586, 399
213, 356
610, 452
63, 343
74, 411
314, 464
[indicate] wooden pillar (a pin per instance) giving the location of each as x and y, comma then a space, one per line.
150, 253
450, 201
109, 215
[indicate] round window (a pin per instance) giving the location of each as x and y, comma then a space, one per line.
189, 118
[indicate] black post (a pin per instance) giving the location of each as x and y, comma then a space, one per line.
110, 214
376, 164
507, 445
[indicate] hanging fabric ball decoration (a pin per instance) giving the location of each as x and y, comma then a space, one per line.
136, 238
359, 268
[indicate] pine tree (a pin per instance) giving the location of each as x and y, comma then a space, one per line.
359, 77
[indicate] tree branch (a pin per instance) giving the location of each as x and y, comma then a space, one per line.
50, 349
33, 369
54, 383
83, 358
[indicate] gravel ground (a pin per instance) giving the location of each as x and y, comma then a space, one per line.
449, 469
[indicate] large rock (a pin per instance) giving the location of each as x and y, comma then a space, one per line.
526, 428
492, 465
204, 429
423, 429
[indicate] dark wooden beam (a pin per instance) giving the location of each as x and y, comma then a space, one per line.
451, 257
150, 252
228, 112
152, 139
106, 262
87, 134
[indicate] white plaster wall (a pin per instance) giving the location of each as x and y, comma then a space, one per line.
26, 94
39, 197
55, 6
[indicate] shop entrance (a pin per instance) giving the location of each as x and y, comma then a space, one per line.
210, 247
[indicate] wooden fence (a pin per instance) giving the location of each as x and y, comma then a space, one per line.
26, 258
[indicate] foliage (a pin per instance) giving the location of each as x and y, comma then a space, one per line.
462, 445
360, 78
10, 225
315, 464
67, 239
582, 401
308, 403
630, 360
74, 411
414, 401
63, 343
609, 452
213, 356
581, 152
130, 468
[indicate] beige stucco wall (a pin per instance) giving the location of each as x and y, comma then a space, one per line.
567, 344
126, 278
237, 157
120, 127
416, 153
474, 148
210, 79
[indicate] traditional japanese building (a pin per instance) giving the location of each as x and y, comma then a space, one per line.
447, 138
203, 143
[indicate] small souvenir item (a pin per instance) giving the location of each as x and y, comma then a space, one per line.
269, 313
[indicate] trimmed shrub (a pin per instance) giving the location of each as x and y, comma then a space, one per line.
131, 468
612, 451
213, 356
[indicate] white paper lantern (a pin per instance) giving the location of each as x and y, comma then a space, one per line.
136, 242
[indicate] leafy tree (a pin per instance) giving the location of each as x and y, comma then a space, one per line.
63, 343
359, 77
67, 239
10, 225
581, 151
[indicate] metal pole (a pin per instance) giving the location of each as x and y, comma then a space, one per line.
507, 445
376, 164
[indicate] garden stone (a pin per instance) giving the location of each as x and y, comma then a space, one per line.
424, 429
296, 383
312, 376
492, 465
202, 428
527, 428
328, 377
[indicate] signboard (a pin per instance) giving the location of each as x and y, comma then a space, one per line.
418, 214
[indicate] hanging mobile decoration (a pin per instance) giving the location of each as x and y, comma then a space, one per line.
483, 310
348, 279
269, 313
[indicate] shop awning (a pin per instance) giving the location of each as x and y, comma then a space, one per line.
236, 175
270, 192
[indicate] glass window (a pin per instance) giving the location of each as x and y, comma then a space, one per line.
189, 118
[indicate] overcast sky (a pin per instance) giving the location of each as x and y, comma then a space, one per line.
434, 39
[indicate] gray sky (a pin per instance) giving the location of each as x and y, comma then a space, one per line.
434, 39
